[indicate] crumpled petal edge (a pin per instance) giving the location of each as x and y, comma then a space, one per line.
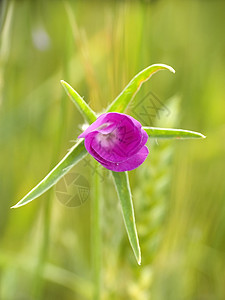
130, 164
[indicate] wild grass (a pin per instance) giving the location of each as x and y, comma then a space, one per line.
178, 194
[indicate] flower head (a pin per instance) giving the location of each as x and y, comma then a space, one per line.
116, 141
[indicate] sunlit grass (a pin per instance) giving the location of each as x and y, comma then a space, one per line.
116, 41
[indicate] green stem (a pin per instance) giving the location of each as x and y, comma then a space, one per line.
39, 281
96, 236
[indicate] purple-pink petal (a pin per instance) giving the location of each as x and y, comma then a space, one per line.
117, 141
93, 126
130, 164
121, 143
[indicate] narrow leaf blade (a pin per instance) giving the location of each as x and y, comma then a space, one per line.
72, 158
125, 97
170, 133
82, 106
122, 185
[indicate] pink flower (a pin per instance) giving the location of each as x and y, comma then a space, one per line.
116, 141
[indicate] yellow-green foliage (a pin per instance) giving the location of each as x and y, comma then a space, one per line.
98, 46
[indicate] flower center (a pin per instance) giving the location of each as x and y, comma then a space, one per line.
107, 140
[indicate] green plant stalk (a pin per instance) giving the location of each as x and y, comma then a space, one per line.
96, 235
39, 281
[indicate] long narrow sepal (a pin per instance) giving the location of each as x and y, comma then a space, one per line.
82, 106
71, 159
126, 96
170, 133
122, 185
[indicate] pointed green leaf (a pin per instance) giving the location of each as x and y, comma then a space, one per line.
73, 157
123, 190
170, 133
82, 106
125, 97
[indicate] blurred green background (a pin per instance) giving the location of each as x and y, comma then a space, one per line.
179, 192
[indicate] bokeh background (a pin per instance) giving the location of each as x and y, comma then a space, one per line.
179, 192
